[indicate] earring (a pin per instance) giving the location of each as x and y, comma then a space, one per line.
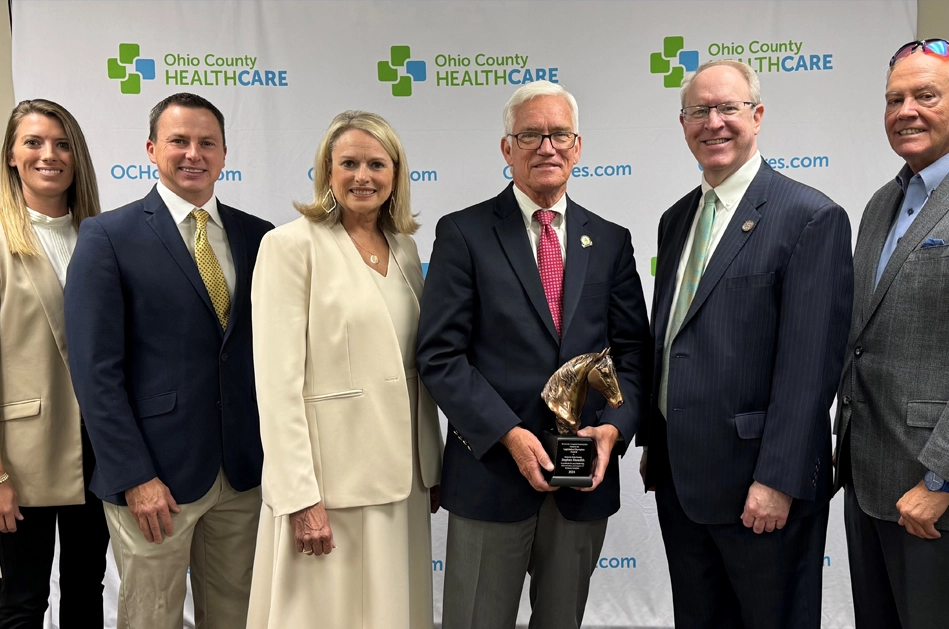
329, 193
392, 202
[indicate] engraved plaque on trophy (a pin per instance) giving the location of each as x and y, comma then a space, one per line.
566, 391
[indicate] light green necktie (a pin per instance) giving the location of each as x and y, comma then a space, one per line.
209, 268
691, 276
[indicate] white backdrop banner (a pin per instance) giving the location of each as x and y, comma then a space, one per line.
441, 72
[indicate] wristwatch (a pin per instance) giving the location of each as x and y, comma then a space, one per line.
935, 482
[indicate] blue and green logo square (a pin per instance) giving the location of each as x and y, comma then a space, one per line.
388, 70
673, 50
131, 69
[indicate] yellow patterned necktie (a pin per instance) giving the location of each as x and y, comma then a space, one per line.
209, 268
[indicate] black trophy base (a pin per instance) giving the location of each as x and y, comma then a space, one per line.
572, 457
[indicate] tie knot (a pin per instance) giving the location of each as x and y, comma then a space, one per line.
710, 197
544, 217
200, 217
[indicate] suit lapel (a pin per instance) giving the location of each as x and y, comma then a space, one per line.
159, 219
517, 247
866, 258
406, 266
238, 244
50, 293
933, 211
668, 263
733, 239
578, 256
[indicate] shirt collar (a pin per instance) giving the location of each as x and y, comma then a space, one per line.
932, 175
181, 209
38, 218
735, 185
528, 207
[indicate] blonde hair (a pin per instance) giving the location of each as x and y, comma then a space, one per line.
395, 215
83, 193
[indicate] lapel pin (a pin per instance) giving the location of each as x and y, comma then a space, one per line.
748, 226
586, 241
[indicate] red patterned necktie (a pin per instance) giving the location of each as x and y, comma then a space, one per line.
550, 265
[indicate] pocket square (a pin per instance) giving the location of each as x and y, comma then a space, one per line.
933, 242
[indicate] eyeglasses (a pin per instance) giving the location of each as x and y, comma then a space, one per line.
530, 140
938, 47
700, 113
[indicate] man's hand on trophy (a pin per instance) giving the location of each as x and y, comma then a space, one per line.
605, 438
529, 455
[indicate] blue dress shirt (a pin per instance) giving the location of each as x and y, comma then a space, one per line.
916, 191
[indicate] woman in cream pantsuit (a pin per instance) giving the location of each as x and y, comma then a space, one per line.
352, 445
47, 187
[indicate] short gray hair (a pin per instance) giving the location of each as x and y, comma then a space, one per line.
754, 85
532, 90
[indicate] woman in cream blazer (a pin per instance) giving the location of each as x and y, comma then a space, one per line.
352, 445
47, 187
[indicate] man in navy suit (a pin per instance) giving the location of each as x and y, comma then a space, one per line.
754, 288
159, 331
518, 285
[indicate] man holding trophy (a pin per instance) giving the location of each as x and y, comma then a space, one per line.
519, 285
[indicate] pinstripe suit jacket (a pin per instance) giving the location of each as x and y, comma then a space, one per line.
894, 390
754, 366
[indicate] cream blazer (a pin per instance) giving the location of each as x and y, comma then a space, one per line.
331, 388
40, 443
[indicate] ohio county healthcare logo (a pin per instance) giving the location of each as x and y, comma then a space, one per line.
131, 69
763, 55
673, 49
455, 69
182, 69
388, 70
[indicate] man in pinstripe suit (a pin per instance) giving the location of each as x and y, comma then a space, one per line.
892, 426
752, 301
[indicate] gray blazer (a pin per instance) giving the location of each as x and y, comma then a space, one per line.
894, 389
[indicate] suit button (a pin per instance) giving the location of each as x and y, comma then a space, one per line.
846, 400
219, 405
224, 357
858, 352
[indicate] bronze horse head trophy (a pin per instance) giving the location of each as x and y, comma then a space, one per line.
566, 391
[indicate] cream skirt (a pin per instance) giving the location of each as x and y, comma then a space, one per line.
379, 576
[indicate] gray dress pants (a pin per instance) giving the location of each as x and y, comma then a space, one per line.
485, 564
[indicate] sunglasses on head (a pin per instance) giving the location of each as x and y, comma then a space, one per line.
939, 47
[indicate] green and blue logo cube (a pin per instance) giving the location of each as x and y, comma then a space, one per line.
131, 69
412, 70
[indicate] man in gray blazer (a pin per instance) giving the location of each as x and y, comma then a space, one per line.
892, 420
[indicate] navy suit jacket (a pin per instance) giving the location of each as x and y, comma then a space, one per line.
487, 346
755, 365
163, 391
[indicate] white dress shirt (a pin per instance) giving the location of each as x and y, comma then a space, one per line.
730, 193
559, 224
180, 211
58, 238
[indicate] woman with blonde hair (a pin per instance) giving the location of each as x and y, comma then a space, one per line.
352, 445
47, 188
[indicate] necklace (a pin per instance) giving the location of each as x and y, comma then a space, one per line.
372, 257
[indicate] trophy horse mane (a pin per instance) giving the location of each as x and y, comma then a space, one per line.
566, 390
